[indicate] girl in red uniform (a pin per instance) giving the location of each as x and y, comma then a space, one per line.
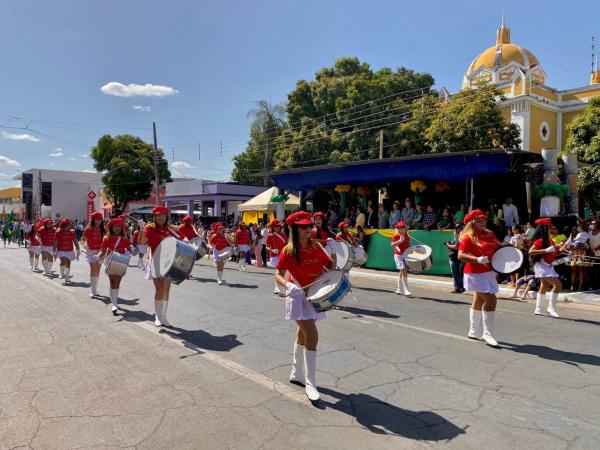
322, 234
115, 241
65, 243
544, 250
45, 235
35, 249
187, 230
142, 248
153, 234
475, 249
242, 240
276, 240
92, 241
400, 242
344, 235
219, 242
305, 261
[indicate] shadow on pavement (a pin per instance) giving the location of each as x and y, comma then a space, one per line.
367, 312
78, 284
106, 300
589, 322
203, 340
203, 280
240, 285
552, 354
380, 417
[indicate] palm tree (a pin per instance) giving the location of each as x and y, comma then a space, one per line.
267, 121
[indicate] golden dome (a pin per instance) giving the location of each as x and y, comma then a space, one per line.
503, 53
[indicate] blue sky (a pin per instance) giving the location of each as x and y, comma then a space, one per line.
216, 58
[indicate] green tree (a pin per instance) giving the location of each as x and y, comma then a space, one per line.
267, 121
249, 162
128, 164
584, 139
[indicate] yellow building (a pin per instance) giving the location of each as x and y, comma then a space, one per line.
10, 201
542, 113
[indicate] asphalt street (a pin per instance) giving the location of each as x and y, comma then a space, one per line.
394, 372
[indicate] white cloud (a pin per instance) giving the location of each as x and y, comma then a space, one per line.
141, 108
90, 171
20, 137
4, 161
181, 165
57, 152
70, 158
133, 90
85, 155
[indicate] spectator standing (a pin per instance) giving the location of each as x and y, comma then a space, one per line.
360, 218
360, 235
510, 212
263, 242
334, 219
594, 241
372, 219
395, 214
382, 217
459, 217
418, 218
429, 219
456, 266
408, 213
530, 231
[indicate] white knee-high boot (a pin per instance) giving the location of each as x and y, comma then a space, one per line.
539, 303
114, 299
310, 367
488, 328
476, 324
36, 263
552, 305
61, 272
163, 316
400, 289
297, 375
219, 277
405, 286
31, 262
67, 273
93, 286
157, 312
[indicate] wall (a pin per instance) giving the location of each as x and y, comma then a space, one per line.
70, 199
539, 115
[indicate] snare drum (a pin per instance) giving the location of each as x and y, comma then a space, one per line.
328, 290
562, 260
200, 247
344, 255
117, 264
360, 256
223, 255
418, 258
173, 260
507, 260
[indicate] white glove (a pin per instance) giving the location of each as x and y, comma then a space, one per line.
402, 238
550, 249
275, 251
483, 260
292, 289
141, 223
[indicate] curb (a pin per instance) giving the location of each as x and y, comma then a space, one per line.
567, 297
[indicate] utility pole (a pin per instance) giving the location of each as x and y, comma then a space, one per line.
156, 177
221, 144
380, 144
40, 192
198, 151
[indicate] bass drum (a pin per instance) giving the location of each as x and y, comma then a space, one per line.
344, 255
173, 260
418, 258
328, 290
507, 260
117, 264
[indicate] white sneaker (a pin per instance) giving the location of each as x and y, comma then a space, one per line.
399, 291
219, 282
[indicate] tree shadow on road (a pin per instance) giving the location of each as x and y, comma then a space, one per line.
200, 339
552, 354
381, 417
367, 312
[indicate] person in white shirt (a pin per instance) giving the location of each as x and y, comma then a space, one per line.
263, 242
511, 213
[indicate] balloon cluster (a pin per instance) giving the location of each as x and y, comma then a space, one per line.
418, 186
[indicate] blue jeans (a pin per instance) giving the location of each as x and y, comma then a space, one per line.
457, 268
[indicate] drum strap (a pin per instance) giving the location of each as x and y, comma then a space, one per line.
279, 236
116, 244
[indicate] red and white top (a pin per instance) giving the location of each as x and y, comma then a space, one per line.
33, 240
321, 235
348, 237
403, 245
155, 234
136, 235
308, 268
65, 240
47, 236
485, 245
187, 231
93, 237
276, 241
242, 237
219, 241
109, 243
548, 257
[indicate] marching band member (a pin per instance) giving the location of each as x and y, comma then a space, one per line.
276, 240
400, 242
45, 234
322, 234
242, 239
344, 235
115, 241
153, 234
477, 244
34, 248
218, 242
544, 252
65, 242
92, 240
305, 261
142, 248
187, 230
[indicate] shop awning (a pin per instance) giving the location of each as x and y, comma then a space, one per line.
443, 167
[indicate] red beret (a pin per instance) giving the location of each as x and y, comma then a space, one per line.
97, 215
219, 226
187, 219
544, 221
117, 221
401, 224
275, 223
476, 214
342, 225
242, 224
160, 210
318, 214
299, 218
64, 223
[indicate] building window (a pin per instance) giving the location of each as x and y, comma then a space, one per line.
545, 131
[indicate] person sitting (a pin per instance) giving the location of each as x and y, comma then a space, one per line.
445, 222
418, 218
429, 219
459, 216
